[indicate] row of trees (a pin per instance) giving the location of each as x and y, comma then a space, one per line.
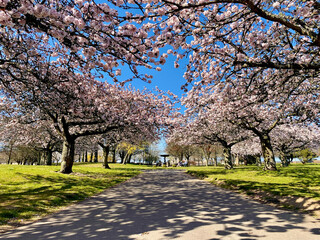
108, 113
85, 151
245, 153
254, 74
205, 154
53, 54
253, 68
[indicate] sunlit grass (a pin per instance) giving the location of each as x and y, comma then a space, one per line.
295, 180
28, 192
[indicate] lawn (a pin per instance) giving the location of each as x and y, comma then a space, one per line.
295, 180
30, 192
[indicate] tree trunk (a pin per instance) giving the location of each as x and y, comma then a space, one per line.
283, 159
48, 157
114, 155
129, 158
290, 158
39, 158
267, 152
105, 150
95, 156
258, 160
67, 156
215, 160
10, 154
125, 159
91, 156
207, 162
227, 158
236, 160
86, 156
188, 160
82, 157
122, 156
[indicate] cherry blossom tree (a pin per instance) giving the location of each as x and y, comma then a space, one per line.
248, 150
211, 151
51, 49
128, 140
85, 35
209, 127
258, 106
257, 62
39, 136
288, 139
174, 149
88, 107
228, 38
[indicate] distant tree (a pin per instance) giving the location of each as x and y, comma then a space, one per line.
150, 153
175, 150
248, 151
211, 151
288, 139
26, 155
209, 127
305, 155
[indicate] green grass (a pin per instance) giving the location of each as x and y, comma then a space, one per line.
295, 180
29, 192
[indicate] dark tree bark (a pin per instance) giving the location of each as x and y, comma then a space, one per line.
95, 156
39, 158
10, 154
227, 153
258, 160
49, 157
122, 155
106, 150
129, 158
86, 156
105, 154
91, 157
114, 155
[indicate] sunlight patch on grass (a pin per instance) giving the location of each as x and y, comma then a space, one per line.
27, 192
295, 180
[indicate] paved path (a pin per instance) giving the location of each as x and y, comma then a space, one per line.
169, 205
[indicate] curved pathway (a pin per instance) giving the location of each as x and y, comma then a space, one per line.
166, 205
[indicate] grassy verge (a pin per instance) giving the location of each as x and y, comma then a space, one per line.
296, 180
30, 192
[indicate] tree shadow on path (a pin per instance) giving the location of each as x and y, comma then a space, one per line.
169, 205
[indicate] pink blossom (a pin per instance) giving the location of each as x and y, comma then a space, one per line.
118, 72
276, 4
